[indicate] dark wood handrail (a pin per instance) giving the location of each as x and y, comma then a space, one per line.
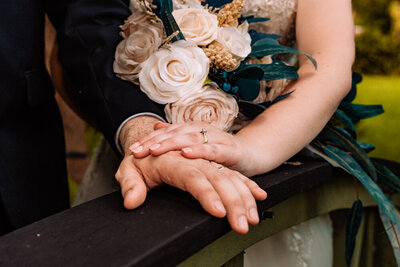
167, 229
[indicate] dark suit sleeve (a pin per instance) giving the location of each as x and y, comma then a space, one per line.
88, 33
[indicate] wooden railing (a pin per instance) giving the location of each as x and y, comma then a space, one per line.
171, 228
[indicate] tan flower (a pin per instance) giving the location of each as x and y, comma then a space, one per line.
131, 23
131, 52
174, 72
197, 25
209, 104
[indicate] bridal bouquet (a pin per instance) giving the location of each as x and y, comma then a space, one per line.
198, 59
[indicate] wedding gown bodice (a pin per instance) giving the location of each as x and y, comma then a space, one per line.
282, 15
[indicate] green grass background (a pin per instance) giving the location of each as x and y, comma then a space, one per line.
381, 131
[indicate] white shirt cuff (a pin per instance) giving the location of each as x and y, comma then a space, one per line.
116, 140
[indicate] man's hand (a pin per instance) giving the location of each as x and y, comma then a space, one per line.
220, 191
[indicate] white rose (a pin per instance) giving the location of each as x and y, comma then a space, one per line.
179, 4
236, 41
197, 25
173, 72
134, 50
208, 104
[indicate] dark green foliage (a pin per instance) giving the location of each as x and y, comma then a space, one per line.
352, 225
387, 177
377, 51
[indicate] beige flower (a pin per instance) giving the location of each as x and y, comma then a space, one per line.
139, 5
174, 72
131, 23
209, 104
178, 4
131, 52
236, 40
197, 25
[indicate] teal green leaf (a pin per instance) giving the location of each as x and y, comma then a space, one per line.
392, 231
387, 177
347, 122
352, 225
358, 112
251, 71
356, 79
216, 3
341, 138
256, 36
277, 71
317, 149
267, 47
248, 89
347, 163
171, 26
366, 147
252, 19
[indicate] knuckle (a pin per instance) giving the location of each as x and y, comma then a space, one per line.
170, 142
236, 203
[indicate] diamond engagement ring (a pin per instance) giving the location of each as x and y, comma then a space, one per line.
204, 133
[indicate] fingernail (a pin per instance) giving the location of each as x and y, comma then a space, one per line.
138, 149
134, 145
187, 150
242, 222
155, 146
218, 205
253, 214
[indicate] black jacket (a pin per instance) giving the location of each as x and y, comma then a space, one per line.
87, 46
33, 180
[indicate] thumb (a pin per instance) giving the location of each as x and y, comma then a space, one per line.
133, 188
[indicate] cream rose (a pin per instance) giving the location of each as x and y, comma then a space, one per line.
208, 104
135, 49
173, 72
178, 4
197, 25
235, 40
131, 23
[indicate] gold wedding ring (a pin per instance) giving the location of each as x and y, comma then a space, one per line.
220, 168
204, 133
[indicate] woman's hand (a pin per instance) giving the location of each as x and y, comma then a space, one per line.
213, 144
220, 191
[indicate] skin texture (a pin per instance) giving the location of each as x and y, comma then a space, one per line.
221, 192
326, 32
286, 127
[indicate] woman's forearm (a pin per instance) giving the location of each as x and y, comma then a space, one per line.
286, 127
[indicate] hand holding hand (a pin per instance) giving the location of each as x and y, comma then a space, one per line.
213, 144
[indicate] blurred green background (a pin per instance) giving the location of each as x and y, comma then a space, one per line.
378, 59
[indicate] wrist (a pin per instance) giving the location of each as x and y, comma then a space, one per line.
135, 129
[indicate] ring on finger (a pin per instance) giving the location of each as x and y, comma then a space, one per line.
204, 133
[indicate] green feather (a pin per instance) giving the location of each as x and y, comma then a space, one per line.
352, 225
